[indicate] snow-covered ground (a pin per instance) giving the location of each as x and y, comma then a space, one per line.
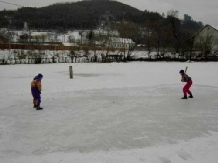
109, 113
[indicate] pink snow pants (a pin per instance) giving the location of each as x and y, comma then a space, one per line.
187, 87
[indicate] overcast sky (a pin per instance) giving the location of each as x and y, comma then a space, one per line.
205, 11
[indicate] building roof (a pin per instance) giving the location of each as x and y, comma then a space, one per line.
202, 30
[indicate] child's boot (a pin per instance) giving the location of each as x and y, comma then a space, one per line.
38, 108
185, 97
190, 96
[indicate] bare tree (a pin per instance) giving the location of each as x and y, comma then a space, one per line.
172, 16
127, 32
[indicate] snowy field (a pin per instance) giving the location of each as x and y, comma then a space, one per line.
109, 113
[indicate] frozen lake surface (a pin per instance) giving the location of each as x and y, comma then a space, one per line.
118, 112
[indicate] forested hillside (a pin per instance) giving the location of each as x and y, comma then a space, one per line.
84, 14
129, 21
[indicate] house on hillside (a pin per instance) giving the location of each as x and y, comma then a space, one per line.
204, 41
99, 35
120, 43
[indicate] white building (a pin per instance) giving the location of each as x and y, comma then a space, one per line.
122, 43
205, 39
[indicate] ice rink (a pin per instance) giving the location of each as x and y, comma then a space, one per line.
109, 113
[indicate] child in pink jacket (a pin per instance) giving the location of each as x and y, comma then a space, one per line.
188, 80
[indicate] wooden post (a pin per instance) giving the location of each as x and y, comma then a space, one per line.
71, 72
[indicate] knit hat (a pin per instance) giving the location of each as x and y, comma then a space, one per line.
40, 75
181, 71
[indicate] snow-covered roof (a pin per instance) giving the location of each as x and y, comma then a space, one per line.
69, 44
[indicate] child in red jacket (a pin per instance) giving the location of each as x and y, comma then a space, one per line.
188, 80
